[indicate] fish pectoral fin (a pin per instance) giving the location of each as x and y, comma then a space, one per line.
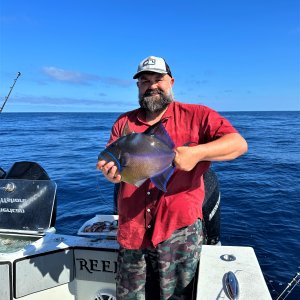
125, 159
140, 182
160, 180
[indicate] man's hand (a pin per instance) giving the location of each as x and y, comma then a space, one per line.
185, 159
109, 170
227, 147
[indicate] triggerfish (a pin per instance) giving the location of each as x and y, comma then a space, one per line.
139, 156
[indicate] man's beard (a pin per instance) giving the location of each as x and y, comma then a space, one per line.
155, 101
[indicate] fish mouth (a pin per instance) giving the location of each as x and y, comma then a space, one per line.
108, 156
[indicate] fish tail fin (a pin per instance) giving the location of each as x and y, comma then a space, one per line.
160, 180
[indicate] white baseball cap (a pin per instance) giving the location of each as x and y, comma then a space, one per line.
153, 64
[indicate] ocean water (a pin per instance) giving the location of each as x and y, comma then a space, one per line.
259, 191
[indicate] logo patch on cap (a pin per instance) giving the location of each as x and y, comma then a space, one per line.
153, 64
149, 62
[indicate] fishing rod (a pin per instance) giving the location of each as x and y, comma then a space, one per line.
11, 88
290, 286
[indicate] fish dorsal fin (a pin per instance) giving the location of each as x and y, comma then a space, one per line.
160, 180
161, 133
126, 129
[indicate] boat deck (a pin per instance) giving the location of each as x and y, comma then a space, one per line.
80, 268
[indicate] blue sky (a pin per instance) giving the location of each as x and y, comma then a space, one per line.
81, 55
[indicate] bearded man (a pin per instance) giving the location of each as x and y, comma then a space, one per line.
160, 233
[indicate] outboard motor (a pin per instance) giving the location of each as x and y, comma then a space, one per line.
31, 171
27, 170
2, 173
28, 199
211, 209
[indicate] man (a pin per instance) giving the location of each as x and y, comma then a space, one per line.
160, 234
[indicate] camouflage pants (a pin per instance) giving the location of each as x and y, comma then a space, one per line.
165, 272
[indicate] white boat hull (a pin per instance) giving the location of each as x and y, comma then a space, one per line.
78, 268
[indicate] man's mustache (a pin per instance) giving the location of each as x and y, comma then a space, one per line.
152, 92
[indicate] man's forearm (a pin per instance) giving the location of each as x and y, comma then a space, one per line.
228, 147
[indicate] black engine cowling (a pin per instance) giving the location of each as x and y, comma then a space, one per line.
30, 171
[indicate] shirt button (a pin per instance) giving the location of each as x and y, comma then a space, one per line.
148, 209
149, 226
148, 193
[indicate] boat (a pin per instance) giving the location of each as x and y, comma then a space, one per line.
37, 263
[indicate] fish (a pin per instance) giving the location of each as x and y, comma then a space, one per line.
142, 156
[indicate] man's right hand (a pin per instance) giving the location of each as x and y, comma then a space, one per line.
109, 170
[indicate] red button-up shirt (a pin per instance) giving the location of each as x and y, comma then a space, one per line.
148, 216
